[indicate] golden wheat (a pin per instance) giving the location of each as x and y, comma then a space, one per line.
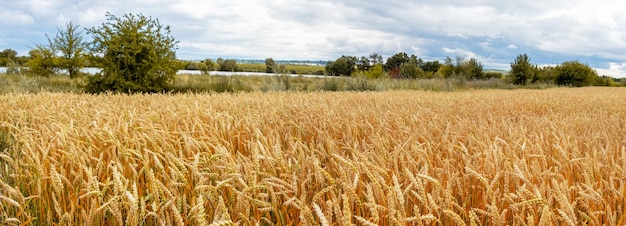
482, 157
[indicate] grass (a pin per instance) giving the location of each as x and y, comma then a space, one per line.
207, 83
475, 157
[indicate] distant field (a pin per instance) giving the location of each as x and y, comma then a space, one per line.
482, 157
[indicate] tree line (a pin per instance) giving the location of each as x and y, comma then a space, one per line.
137, 54
522, 71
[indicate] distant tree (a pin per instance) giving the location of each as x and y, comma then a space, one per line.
522, 71
574, 73
70, 44
430, 66
13, 68
604, 81
43, 61
227, 65
6, 56
492, 75
410, 69
394, 62
447, 69
363, 64
204, 69
473, 69
375, 58
270, 66
342, 66
137, 55
458, 68
545, 74
211, 65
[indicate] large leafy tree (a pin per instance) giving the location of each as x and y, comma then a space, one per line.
137, 55
70, 44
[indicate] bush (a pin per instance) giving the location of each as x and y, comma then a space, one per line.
574, 73
137, 55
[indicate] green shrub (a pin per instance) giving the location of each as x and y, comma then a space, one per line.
138, 55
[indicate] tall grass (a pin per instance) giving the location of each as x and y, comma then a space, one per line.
482, 157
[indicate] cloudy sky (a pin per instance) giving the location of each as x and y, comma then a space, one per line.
492, 31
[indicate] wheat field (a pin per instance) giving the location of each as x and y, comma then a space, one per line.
482, 157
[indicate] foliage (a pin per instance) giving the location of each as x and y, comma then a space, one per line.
6, 56
138, 55
43, 61
604, 81
210, 65
395, 61
474, 69
70, 44
375, 71
459, 67
522, 71
342, 66
429, 66
574, 73
410, 69
492, 75
270, 66
364, 63
447, 69
13, 68
227, 65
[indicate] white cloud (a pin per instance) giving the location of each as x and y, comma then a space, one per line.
614, 70
15, 18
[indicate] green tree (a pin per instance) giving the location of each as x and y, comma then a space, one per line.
394, 62
6, 56
430, 66
227, 65
43, 61
574, 73
210, 65
474, 69
375, 58
522, 71
410, 69
270, 65
70, 44
342, 66
363, 64
447, 69
545, 74
137, 55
